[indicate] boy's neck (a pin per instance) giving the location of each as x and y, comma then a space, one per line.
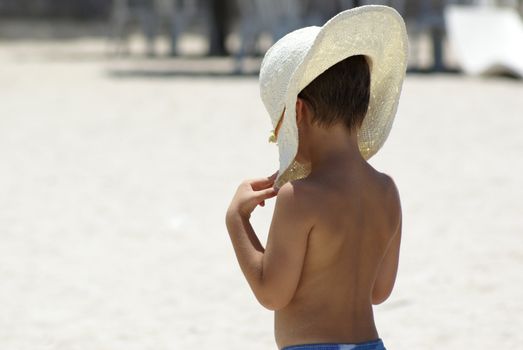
333, 147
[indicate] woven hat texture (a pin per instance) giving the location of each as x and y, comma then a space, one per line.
295, 60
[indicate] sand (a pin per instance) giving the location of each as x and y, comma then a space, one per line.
114, 184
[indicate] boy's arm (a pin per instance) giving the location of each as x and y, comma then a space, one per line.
273, 273
388, 269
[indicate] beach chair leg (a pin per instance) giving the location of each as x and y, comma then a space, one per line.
119, 20
437, 49
147, 20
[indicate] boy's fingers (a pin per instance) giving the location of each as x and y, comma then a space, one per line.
262, 180
266, 193
261, 183
265, 179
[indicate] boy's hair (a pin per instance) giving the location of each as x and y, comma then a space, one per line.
340, 94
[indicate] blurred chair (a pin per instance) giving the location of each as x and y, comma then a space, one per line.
317, 12
426, 16
178, 15
275, 17
124, 13
486, 39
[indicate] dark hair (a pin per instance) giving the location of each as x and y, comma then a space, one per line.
340, 94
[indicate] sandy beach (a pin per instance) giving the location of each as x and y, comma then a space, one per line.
114, 182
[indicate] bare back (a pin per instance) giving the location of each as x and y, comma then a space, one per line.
355, 219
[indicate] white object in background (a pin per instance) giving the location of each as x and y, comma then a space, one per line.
486, 39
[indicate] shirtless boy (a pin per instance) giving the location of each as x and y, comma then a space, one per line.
333, 245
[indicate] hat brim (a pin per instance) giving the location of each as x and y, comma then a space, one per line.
375, 31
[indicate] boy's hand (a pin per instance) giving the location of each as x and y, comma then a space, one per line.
251, 193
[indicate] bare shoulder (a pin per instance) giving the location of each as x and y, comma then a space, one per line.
297, 197
391, 198
301, 189
389, 186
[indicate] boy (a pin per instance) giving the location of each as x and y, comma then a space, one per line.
333, 244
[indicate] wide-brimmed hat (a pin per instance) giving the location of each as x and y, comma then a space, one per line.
294, 61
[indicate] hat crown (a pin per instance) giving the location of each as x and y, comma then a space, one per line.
376, 31
278, 66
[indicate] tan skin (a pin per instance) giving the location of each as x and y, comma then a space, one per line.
333, 244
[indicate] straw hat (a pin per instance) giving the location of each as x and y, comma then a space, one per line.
376, 31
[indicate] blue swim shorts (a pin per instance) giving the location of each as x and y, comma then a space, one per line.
370, 345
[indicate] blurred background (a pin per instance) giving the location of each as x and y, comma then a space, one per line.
126, 125
218, 28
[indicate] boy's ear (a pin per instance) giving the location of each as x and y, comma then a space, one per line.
300, 110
